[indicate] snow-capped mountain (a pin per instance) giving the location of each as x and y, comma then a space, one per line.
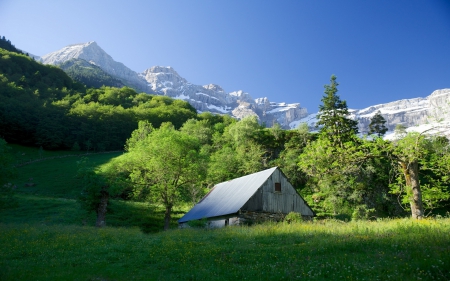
166, 81
93, 54
416, 114
212, 98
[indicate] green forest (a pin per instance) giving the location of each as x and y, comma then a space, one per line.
173, 156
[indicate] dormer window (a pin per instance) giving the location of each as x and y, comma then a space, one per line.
278, 187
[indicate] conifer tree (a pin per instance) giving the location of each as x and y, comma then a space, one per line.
333, 116
376, 125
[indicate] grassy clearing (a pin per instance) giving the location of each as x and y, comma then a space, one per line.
387, 250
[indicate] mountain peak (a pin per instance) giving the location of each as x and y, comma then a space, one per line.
75, 51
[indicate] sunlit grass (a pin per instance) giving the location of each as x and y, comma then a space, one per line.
387, 250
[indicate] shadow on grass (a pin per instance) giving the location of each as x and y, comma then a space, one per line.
148, 217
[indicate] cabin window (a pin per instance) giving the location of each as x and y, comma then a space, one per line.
278, 187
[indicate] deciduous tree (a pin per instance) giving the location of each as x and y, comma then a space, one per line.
169, 161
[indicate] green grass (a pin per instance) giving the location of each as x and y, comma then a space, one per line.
55, 177
389, 250
47, 236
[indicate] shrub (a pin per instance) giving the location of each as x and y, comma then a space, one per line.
361, 212
293, 217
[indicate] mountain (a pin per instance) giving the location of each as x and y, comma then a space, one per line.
95, 55
166, 81
89, 74
416, 114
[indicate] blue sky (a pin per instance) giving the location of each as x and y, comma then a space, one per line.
285, 50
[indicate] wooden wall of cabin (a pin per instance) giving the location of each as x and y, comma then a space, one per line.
266, 199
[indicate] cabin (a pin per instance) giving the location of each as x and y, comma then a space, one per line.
262, 196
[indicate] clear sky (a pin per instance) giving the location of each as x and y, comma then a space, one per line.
286, 50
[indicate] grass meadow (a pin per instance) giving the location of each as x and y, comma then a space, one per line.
325, 250
46, 236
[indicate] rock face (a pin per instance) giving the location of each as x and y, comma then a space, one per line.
212, 98
417, 114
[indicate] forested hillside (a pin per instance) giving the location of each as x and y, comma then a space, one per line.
41, 106
89, 74
7, 45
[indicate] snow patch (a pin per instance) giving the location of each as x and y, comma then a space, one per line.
220, 109
182, 97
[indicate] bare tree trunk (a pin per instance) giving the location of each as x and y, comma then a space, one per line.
167, 217
411, 172
101, 210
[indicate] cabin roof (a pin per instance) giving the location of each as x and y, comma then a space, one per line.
228, 197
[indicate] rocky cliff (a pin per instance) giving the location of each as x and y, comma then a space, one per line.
417, 114
212, 98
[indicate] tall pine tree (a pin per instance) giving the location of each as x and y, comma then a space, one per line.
333, 116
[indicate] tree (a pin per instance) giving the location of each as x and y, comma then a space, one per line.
333, 116
138, 135
237, 151
350, 178
376, 125
200, 129
168, 161
97, 188
294, 144
425, 169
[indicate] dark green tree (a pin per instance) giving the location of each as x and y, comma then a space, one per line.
376, 125
333, 115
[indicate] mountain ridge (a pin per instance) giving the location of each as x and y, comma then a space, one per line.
166, 81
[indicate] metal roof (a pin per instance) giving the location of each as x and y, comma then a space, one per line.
228, 197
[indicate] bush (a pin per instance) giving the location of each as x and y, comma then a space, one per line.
293, 217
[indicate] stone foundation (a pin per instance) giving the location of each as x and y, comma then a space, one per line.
257, 217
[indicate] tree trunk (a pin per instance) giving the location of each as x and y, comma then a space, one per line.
167, 216
411, 172
101, 210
